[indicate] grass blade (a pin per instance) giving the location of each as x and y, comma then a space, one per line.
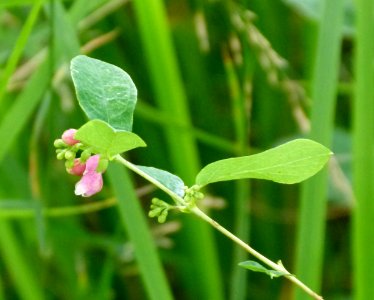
238, 289
170, 96
19, 47
27, 286
17, 116
134, 222
363, 147
314, 191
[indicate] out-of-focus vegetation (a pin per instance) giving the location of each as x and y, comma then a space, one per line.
215, 79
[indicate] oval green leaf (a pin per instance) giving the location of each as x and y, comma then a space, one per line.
289, 163
171, 181
101, 138
104, 91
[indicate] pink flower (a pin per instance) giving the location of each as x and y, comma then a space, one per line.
68, 137
91, 181
78, 168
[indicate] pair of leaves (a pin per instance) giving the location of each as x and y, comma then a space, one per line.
107, 94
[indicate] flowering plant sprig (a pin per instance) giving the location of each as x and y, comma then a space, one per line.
108, 96
87, 166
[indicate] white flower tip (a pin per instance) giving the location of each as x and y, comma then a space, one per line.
79, 190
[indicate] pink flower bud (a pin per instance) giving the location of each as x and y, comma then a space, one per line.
68, 137
77, 169
91, 181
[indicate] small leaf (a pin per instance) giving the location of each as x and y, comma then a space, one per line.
289, 163
256, 267
171, 181
103, 139
104, 91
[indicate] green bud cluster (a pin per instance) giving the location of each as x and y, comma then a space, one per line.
159, 209
192, 195
67, 152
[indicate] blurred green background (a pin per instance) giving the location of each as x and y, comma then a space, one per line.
215, 79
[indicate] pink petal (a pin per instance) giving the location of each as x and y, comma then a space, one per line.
92, 163
68, 137
90, 184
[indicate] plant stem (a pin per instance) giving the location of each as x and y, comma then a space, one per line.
259, 256
195, 210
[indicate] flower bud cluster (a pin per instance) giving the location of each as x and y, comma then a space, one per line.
192, 194
79, 161
159, 209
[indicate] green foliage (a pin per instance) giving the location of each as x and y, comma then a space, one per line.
8, 3
101, 138
289, 163
170, 181
104, 91
207, 90
256, 267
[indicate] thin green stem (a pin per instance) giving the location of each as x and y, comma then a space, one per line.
195, 210
250, 250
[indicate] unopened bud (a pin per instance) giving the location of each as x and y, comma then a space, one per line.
76, 168
69, 155
61, 155
153, 213
59, 143
162, 217
68, 137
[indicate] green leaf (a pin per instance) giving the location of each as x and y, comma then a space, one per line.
256, 267
103, 139
104, 91
289, 163
171, 181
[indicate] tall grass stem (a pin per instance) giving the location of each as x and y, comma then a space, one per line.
363, 149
